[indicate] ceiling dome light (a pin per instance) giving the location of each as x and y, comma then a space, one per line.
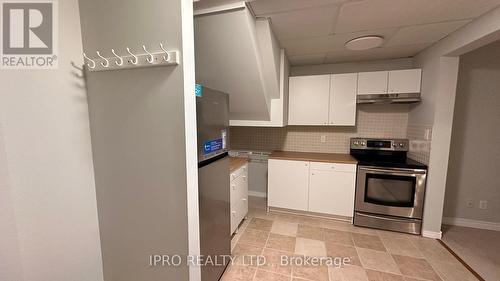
364, 43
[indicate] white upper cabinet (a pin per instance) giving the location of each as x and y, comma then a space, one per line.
343, 90
374, 82
323, 100
389, 82
308, 100
404, 81
332, 99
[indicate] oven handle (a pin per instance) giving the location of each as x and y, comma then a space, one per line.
394, 172
385, 218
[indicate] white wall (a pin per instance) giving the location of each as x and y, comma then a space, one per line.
438, 94
377, 65
48, 216
475, 144
440, 67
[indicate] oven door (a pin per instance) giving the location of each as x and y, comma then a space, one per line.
390, 191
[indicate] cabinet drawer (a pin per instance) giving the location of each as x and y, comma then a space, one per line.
239, 188
242, 171
339, 167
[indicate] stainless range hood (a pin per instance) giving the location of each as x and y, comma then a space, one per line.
389, 98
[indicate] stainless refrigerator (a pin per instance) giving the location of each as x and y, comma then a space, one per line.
212, 109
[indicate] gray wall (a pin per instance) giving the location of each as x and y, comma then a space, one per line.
137, 123
475, 146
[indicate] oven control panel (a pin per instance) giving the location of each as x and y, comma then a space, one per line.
380, 144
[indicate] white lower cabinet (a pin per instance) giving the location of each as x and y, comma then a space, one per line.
239, 196
332, 192
288, 184
328, 188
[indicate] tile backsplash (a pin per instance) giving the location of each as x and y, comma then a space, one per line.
420, 142
375, 121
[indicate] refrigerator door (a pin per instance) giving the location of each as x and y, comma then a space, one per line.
215, 220
212, 111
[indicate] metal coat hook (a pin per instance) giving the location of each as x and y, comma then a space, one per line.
117, 61
105, 59
92, 61
166, 58
136, 59
120, 63
150, 58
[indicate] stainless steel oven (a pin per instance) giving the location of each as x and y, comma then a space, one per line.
390, 188
391, 191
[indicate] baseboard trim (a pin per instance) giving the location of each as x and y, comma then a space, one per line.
257, 194
432, 234
472, 223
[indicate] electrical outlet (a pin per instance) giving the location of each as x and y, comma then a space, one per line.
323, 138
483, 204
469, 203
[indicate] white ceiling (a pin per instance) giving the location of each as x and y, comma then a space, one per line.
315, 31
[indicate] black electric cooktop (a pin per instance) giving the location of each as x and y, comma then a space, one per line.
405, 164
389, 160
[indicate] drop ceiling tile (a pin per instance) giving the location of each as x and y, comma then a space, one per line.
305, 23
307, 59
374, 14
306, 46
427, 33
266, 7
375, 54
331, 43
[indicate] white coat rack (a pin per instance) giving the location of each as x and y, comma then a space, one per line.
147, 59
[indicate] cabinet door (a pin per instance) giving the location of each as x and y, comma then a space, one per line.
308, 100
332, 192
370, 83
343, 92
405, 81
288, 184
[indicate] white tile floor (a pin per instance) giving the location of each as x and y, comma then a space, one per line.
374, 255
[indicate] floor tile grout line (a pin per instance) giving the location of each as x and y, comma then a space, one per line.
413, 242
269, 271
262, 252
431, 262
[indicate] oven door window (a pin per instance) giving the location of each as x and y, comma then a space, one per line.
389, 190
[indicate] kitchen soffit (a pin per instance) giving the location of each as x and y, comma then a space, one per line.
315, 31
